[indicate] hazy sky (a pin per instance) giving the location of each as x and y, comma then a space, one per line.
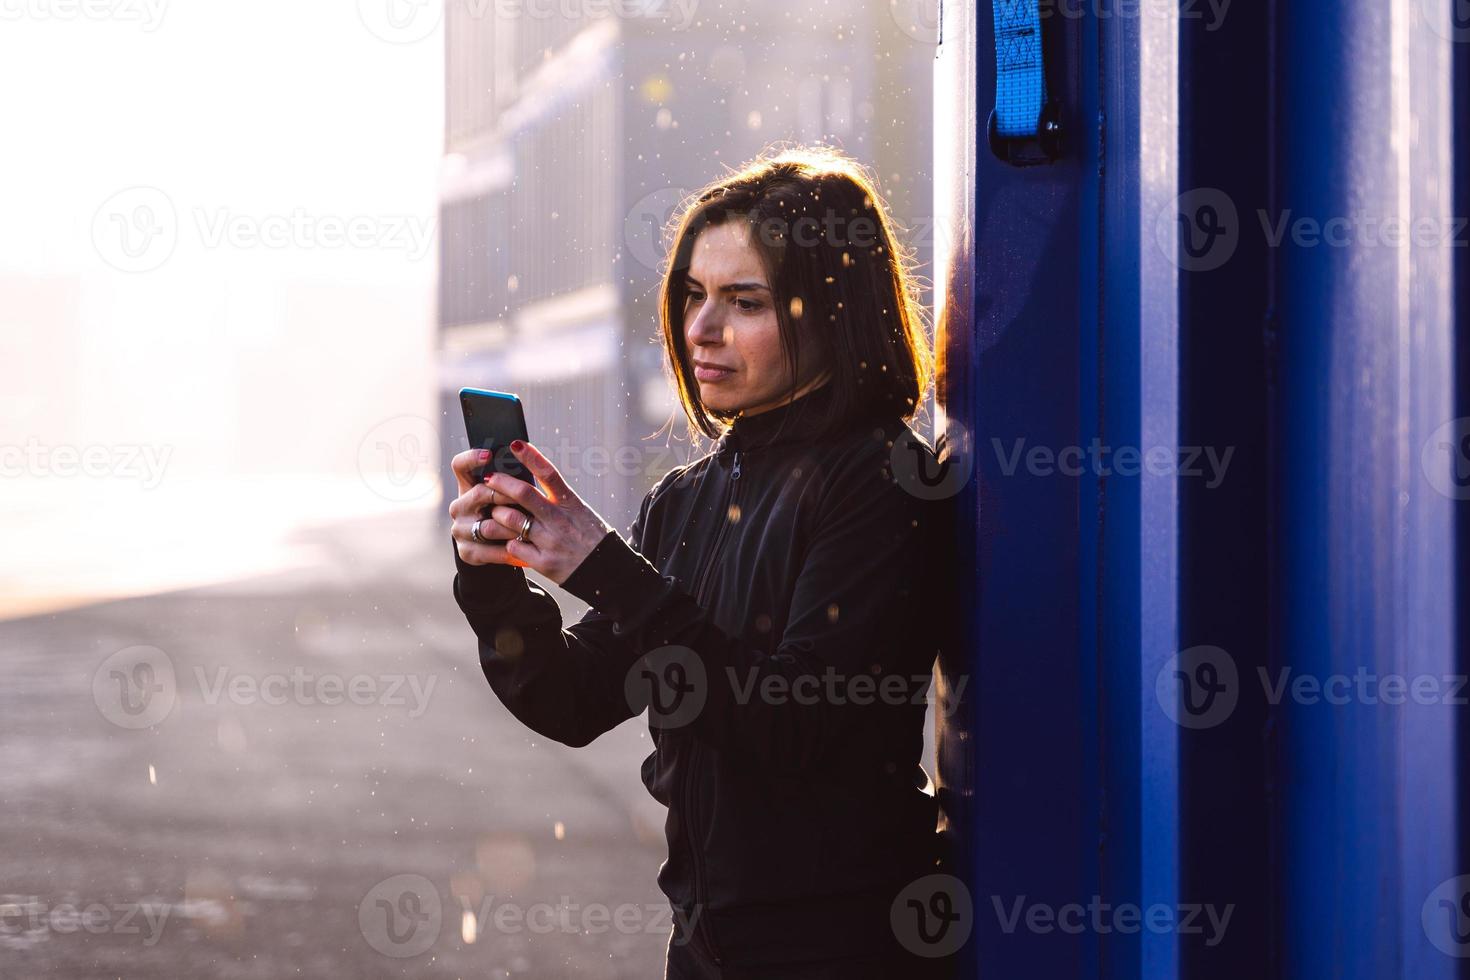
218, 219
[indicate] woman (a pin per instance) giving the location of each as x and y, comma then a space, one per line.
770, 602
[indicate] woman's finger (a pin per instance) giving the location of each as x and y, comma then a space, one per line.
511, 521
464, 465
488, 531
474, 500
525, 553
490, 551
463, 529
520, 492
544, 470
498, 552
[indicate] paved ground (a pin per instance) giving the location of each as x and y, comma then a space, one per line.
238, 836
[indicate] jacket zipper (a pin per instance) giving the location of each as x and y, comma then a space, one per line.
691, 826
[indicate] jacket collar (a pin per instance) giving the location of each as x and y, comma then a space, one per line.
796, 420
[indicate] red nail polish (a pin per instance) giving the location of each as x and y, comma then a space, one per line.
484, 454
517, 445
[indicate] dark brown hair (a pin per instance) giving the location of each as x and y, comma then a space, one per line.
843, 286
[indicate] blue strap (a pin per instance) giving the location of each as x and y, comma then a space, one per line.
1020, 87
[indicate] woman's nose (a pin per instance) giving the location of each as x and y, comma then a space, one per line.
705, 329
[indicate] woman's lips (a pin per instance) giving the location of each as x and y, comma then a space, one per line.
703, 373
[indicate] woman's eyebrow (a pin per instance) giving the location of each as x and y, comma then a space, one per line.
734, 287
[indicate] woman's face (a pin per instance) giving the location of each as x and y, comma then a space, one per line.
730, 327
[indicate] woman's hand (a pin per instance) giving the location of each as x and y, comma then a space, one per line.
564, 530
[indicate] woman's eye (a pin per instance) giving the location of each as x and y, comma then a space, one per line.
747, 305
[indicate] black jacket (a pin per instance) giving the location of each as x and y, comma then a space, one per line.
796, 809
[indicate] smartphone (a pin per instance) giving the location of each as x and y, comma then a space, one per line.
492, 420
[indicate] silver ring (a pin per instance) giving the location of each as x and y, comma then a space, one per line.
525, 528
492, 496
475, 532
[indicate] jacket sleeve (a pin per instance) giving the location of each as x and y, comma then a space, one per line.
858, 648
565, 684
